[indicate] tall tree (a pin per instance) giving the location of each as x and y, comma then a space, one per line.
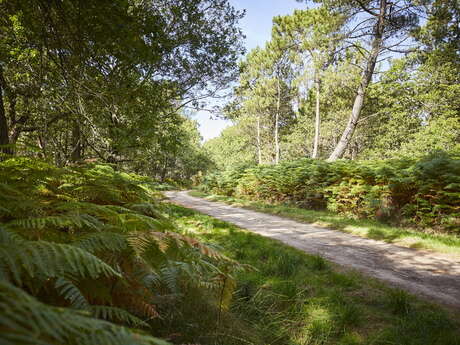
383, 26
313, 38
265, 93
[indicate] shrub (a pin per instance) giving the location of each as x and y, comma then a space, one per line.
424, 193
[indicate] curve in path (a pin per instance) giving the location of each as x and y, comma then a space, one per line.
433, 275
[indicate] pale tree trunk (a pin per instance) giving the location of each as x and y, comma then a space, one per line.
317, 118
41, 141
366, 78
277, 120
259, 148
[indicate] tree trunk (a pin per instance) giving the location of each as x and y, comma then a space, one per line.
77, 146
259, 148
354, 151
4, 135
365, 80
41, 141
317, 118
15, 124
277, 120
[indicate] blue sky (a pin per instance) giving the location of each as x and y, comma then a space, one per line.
256, 26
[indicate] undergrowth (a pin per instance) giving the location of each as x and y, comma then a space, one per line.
421, 193
291, 298
88, 256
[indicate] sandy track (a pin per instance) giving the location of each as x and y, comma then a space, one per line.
428, 274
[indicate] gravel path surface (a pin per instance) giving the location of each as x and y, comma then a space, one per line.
428, 274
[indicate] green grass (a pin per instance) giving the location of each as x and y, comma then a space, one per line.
443, 243
291, 298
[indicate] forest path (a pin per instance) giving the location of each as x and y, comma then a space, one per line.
432, 275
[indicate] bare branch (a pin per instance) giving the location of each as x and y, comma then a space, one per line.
366, 9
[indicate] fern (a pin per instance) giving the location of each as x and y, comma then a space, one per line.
103, 212
24, 320
117, 315
102, 241
136, 222
61, 221
9, 238
45, 259
71, 293
147, 209
105, 249
425, 193
170, 277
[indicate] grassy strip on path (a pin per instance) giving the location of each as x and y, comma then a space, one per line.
405, 237
291, 298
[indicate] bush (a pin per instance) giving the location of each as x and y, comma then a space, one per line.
425, 193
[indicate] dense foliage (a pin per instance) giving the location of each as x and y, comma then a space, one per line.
330, 83
85, 248
112, 79
425, 192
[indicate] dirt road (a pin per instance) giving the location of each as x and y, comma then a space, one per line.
433, 275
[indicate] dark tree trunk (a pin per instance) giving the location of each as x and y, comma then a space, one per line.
4, 135
77, 147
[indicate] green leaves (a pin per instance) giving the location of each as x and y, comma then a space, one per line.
109, 79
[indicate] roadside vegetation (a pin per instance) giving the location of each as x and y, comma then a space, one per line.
89, 256
414, 203
287, 297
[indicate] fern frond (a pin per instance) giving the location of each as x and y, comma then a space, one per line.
40, 258
205, 250
105, 212
61, 221
102, 241
119, 209
147, 209
144, 308
151, 280
25, 320
9, 237
170, 277
137, 222
141, 242
117, 315
72, 293
13, 201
